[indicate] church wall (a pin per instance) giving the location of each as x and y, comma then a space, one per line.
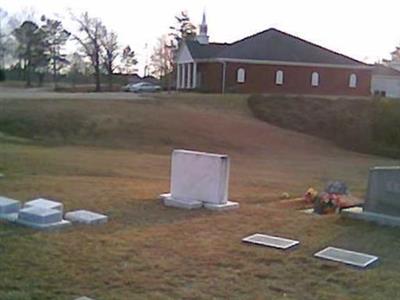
260, 78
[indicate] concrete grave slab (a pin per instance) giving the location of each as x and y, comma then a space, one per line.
45, 203
41, 218
270, 241
86, 217
222, 207
347, 257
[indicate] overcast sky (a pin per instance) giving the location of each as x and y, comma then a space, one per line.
366, 30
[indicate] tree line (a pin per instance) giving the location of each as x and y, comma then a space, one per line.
30, 47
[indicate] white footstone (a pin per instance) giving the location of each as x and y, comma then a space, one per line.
222, 207
86, 217
45, 203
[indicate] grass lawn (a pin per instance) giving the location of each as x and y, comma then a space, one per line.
113, 157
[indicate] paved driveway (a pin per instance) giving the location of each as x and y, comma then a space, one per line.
42, 93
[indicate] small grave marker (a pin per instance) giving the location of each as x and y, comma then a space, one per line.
270, 241
86, 217
347, 257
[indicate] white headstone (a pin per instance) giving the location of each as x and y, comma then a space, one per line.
199, 178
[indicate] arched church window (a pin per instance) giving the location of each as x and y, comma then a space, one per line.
241, 75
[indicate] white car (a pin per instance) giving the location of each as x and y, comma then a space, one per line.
142, 87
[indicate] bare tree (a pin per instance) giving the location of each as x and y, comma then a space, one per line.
55, 39
128, 61
109, 41
162, 58
91, 32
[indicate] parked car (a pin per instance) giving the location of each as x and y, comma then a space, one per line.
142, 87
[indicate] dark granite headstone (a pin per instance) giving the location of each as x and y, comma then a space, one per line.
337, 187
383, 193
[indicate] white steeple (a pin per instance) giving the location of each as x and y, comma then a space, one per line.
202, 37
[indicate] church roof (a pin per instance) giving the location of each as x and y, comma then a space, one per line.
203, 51
272, 45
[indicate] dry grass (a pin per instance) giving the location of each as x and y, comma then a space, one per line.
148, 251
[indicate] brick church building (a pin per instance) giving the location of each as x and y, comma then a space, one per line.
271, 61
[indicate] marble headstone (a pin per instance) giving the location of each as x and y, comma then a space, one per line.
197, 179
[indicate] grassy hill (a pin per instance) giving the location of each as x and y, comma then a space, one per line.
113, 156
365, 125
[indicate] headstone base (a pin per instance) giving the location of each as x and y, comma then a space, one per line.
359, 214
9, 217
169, 201
222, 207
52, 226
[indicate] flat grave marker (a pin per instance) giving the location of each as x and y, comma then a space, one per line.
347, 257
270, 241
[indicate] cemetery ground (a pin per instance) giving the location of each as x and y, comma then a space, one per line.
113, 157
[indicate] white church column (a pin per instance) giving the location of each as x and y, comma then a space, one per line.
178, 76
194, 80
189, 76
183, 76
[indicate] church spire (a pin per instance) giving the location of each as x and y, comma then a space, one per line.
202, 38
